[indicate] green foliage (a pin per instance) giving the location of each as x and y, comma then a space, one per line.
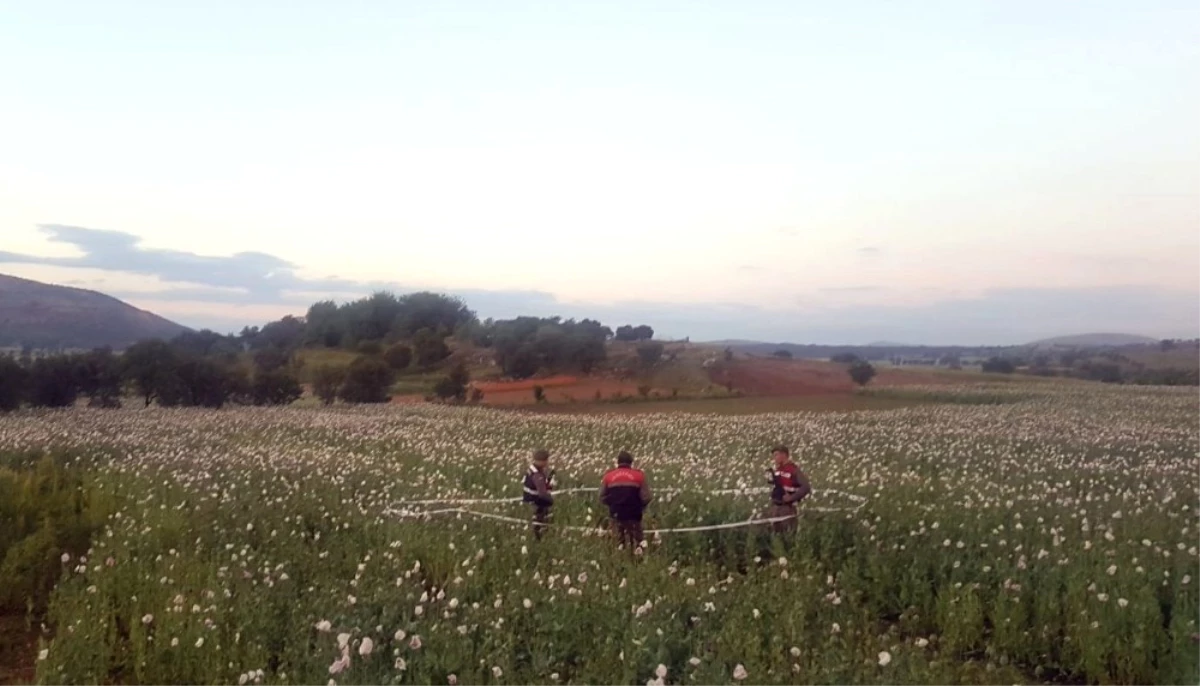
13, 381
641, 332
53, 382
370, 348
367, 380
398, 356
861, 372
526, 345
650, 353
453, 386
327, 379
999, 365
429, 348
276, 387
47, 510
149, 366
99, 376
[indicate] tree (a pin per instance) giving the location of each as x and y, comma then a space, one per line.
782, 354
861, 372
99, 376
453, 386
398, 357
1166, 345
650, 353
149, 366
429, 348
13, 378
539, 394
275, 387
199, 382
634, 333
367, 381
844, 358
434, 311
999, 365
53, 382
270, 359
286, 334
327, 379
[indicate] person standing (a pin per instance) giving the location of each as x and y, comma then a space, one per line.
789, 486
538, 487
626, 493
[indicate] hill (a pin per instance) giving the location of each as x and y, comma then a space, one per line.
44, 316
1095, 340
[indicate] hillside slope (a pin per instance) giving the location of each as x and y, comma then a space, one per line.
45, 316
1095, 340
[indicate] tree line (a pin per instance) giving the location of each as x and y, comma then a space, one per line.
389, 335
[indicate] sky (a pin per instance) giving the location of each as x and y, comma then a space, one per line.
813, 172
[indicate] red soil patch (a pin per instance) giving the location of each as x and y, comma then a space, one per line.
581, 390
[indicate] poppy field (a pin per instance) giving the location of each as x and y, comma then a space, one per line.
1045, 535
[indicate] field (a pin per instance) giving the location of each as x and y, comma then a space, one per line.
1031, 533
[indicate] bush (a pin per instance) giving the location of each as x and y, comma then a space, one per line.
999, 365
398, 357
429, 348
844, 358
650, 353
367, 380
275, 388
782, 354
539, 394
643, 391
861, 372
370, 348
326, 381
453, 386
12, 384
53, 382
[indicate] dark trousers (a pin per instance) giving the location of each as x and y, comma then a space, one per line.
541, 517
627, 531
778, 510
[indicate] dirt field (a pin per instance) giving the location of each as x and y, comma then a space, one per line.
558, 389
770, 377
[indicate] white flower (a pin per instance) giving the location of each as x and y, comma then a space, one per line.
399, 635
366, 646
1122, 602
323, 626
756, 613
921, 642
146, 619
351, 599
419, 610
451, 679
200, 642
415, 643
174, 642
1102, 597
66, 557
497, 672
343, 640
401, 665
43, 654
243, 679
739, 672
690, 582
660, 671
884, 658
1112, 569
553, 676
836, 628
527, 603
795, 651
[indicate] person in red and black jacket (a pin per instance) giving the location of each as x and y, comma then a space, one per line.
790, 486
626, 493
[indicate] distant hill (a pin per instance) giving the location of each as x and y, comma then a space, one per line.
44, 316
1095, 340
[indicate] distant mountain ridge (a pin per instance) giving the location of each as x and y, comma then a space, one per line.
1097, 340
45, 316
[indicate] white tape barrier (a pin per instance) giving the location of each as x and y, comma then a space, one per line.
404, 513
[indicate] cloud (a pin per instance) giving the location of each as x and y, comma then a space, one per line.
851, 289
258, 274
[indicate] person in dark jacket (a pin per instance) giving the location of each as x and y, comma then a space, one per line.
626, 493
537, 487
790, 486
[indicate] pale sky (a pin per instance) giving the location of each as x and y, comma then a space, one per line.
831, 172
